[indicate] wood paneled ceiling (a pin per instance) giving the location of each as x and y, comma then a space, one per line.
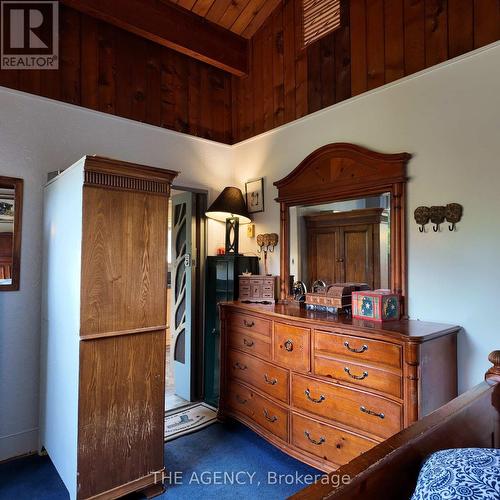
243, 17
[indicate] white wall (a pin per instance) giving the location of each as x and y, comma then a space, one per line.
37, 136
448, 117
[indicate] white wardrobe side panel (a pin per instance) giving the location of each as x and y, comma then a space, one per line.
61, 322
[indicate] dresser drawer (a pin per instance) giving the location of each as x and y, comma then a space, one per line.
292, 346
244, 291
355, 408
264, 376
261, 410
359, 374
248, 323
254, 343
358, 348
326, 441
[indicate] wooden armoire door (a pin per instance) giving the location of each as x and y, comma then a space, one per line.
122, 347
359, 254
323, 256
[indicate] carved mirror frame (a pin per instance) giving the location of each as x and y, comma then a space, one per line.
342, 171
17, 185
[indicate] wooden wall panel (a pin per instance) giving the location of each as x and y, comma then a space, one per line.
379, 42
278, 69
436, 32
104, 68
301, 82
414, 19
267, 75
358, 47
327, 62
343, 57
460, 27
375, 43
486, 21
289, 69
314, 87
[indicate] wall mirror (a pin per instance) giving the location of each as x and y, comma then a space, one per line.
343, 219
11, 196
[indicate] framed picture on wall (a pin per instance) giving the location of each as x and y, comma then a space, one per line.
254, 190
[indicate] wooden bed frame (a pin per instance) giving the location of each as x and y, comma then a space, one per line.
390, 470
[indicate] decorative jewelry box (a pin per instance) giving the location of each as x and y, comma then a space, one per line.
376, 305
333, 298
258, 288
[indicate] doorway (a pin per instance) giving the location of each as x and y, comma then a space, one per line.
185, 295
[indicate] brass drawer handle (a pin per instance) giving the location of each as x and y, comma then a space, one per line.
272, 381
248, 324
355, 377
240, 366
313, 441
289, 345
268, 417
248, 343
363, 348
370, 412
321, 398
241, 400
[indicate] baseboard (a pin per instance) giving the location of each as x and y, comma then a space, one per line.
18, 444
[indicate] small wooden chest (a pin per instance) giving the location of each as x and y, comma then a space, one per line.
258, 288
333, 297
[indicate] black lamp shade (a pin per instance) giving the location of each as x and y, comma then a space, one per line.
230, 203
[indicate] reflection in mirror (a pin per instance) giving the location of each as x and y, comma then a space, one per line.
7, 209
342, 242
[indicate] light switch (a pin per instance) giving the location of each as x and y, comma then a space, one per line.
251, 230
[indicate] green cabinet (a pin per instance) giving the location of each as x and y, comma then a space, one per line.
222, 285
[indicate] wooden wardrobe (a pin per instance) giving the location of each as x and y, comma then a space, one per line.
104, 323
345, 246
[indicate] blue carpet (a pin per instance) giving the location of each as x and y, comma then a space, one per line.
206, 462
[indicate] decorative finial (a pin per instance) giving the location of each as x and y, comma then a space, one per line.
493, 374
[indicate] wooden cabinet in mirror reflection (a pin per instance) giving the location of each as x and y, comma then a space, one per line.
346, 247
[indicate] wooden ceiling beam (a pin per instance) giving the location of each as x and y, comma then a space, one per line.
172, 27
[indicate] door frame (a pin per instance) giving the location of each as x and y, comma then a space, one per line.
200, 243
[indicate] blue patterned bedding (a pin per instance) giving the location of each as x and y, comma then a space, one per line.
460, 474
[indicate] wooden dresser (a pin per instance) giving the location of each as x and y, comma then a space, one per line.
326, 389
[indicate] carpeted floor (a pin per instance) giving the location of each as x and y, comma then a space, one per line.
200, 459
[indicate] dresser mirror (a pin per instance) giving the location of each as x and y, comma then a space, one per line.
343, 219
343, 241
11, 195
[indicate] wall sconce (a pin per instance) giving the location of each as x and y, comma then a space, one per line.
266, 243
437, 215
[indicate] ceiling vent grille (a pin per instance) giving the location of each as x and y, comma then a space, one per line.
320, 17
